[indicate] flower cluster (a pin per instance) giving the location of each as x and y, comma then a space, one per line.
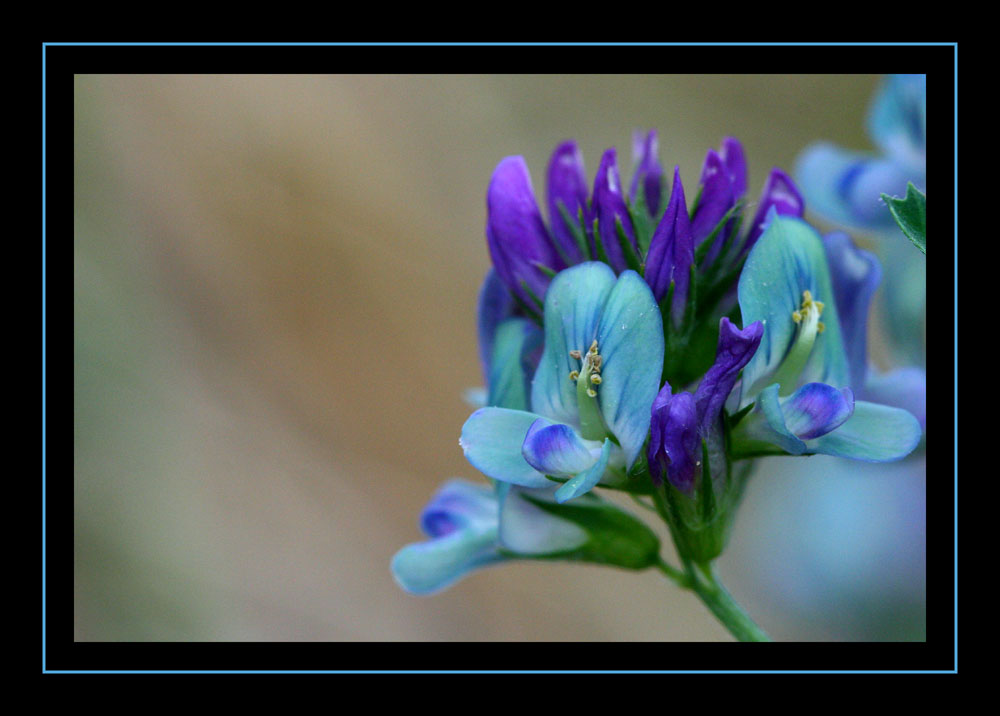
633, 342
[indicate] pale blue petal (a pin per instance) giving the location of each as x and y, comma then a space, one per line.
630, 340
556, 449
874, 433
573, 308
492, 438
527, 529
904, 388
516, 350
427, 567
787, 260
586, 480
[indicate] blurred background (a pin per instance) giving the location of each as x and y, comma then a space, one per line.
275, 286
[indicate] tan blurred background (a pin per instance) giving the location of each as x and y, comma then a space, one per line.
275, 284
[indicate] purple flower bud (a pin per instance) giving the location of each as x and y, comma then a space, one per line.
671, 252
735, 349
647, 171
781, 193
567, 186
516, 235
736, 165
609, 206
716, 198
674, 444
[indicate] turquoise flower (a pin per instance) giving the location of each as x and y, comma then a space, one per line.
800, 379
591, 393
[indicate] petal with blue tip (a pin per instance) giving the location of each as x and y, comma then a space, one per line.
586, 480
463, 522
816, 409
492, 438
573, 309
897, 121
630, 340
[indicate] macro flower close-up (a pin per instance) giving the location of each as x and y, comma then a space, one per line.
571, 359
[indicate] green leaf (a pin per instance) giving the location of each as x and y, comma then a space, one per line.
616, 537
911, 215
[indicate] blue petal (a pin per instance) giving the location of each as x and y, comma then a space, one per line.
787, 260
527, 529
463, 521
556, 449
495, 304
492, 438
630, 340
816, 409
516, 352
573, 308
855, 274
846, 187
874, 433
567, 185
586, 480
904, 388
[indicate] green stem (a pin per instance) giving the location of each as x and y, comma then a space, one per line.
702, 580
725, 608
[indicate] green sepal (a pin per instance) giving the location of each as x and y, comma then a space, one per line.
628, 251
531, 294
577, 230
910, 214
642, 223
602, 255
706, 490
616, 537
551, 273
706, 243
